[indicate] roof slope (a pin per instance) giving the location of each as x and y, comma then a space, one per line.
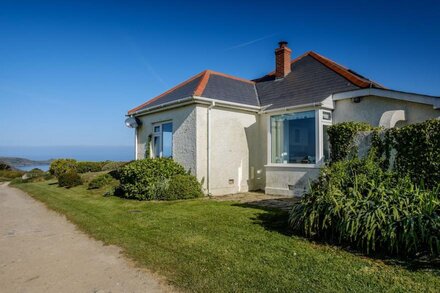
312, 79
208, 84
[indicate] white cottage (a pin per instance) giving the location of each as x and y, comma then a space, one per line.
268, 133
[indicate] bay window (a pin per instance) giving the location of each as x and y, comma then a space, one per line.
293, 138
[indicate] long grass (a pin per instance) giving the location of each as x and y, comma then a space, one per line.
355, 202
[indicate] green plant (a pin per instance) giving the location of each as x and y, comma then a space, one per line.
148, 146
84, 167
357, 203
139, 178
341, 137
10, 174
183, 187
69, 179
413, 150
110, 166
4, 166
35, 173
418, 151
61, 166
100, 181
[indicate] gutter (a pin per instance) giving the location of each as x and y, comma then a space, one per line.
161, 106
135, 143
403, 96
196, 99
208, 147
286, 109
227, 104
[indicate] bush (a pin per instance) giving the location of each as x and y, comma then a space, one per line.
10, 174
110, 166
4, 166
35, 173
100, 181
84, 167
61, 166
341, 138
355, 202
69, 179
139, 179
183, 187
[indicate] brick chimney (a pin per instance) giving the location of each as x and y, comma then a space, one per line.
282, 60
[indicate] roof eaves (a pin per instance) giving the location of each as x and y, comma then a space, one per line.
387, 93
165, 93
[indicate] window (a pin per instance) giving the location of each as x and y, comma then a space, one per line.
293, 138
163, 140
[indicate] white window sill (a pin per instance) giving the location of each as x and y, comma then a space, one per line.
311, 166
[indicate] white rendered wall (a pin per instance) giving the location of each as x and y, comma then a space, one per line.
370, 109
184, 134
234, 149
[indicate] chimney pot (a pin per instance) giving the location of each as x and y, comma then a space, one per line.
283, 44
282, 60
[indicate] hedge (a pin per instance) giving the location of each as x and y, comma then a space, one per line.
341, 138
146, 179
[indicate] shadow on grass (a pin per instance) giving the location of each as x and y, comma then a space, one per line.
276, 220
273, 219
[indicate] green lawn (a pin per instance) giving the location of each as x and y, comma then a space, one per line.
210, 246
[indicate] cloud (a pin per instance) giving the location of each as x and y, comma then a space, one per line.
245, 44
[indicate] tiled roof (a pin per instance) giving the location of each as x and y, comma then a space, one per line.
208, 84
309, 82
312, 79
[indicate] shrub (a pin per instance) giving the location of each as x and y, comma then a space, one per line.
10, 174
84, 167
69, 179
61, 166
35, 173
139, 178
357, 203
341, 138
109, 166
4, 166
183, 187
100, 181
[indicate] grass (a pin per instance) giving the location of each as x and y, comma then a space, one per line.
205, 245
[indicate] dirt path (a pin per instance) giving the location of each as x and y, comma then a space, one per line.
40, 251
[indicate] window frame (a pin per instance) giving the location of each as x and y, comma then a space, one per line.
159, 135
319, 138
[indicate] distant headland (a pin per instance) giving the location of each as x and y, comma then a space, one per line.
22, 162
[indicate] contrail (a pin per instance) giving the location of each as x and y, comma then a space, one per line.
251, 42
136, 50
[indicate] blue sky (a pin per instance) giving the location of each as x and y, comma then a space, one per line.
69, 71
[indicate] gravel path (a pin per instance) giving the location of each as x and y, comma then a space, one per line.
40, 251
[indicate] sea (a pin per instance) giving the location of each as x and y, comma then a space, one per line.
80, 153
